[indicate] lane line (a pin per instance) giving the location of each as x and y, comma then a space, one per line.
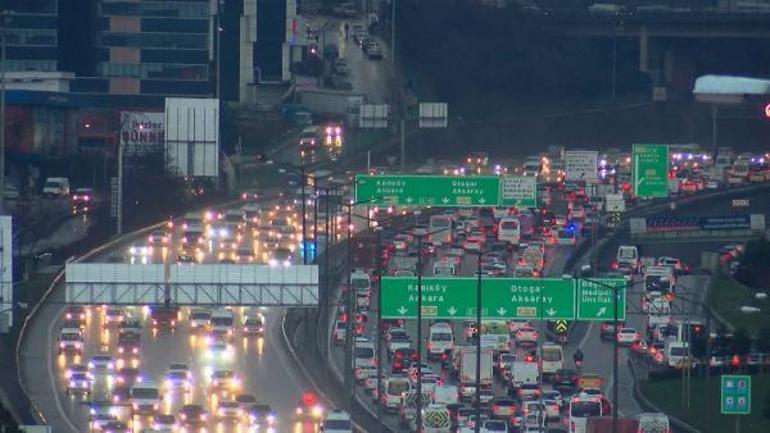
49, 363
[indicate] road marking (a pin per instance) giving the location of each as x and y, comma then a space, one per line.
49, 362
587, 334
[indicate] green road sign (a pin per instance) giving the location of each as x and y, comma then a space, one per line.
594, 299
736, 395
453, 191
518, 191
650, 170
502, 298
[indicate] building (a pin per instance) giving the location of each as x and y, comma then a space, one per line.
270, 36
151, 47
31, 35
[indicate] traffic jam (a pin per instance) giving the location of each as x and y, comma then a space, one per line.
529, 381
107, 357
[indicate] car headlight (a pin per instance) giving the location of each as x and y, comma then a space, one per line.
317, 411
298, 411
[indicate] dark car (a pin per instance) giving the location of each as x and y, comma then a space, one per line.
164, 316
564, 379
401, 360
192, 415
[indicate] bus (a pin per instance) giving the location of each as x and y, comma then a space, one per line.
509, 230
580, 409
440, 229
552, 358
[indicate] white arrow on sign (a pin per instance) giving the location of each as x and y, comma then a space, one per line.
445, 200
550, 312
402, 310
452, 310
482, 200
601, 312
409, 199
501, 311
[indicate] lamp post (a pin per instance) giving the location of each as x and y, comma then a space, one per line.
477, 424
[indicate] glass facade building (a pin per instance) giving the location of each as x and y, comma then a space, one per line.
31, 35
154, 47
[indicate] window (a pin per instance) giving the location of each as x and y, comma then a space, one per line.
161, 25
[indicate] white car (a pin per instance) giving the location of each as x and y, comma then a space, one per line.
526, 335
340, 329
101, 362
627, 336
337, 421
494, 426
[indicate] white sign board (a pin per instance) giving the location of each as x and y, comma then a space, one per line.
141, 133
433, 115
519, 191
6, 272
192, 137
581, 165
373, 116
614, 203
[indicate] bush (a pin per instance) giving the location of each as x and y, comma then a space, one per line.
754, 270
741, 342
763, 340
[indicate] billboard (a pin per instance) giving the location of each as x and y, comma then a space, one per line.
141, 133
581, 165
6, 273
192, 137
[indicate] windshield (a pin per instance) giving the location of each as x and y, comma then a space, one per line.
145, 393
439, 222
70, 337
441, 336
364, 352
510, 225
627, 253
52, 184
396, 388
200, 316
584, 409
337, 424
222, 321
359, 283
552, 355
678, 351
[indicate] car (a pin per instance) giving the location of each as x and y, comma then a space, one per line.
127, 376
503, 408
113, 316
228, 409
552, 409
337, 421
607, 330
627, 336
116, 427
494, 426
177, 379
121, 395
340, 328
251, 194
164, 423
374, 51
225, 380
564, 379
101, 362
526, 336
76, 313
98, 419
192, 415
261, 415
254, 325
159, 237
528, 390
309, 408
79, 383
164, 316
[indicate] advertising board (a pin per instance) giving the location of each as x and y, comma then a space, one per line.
192, 137
141, 133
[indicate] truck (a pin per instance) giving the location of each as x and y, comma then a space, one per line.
467, 370
331, 103
524, 373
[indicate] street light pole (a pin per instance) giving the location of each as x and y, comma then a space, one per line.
378, 336
418, 415
615, 348
303, 182
349, 317
477, 423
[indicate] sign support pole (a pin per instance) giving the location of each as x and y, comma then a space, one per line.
418, 413
378, 336
615, 361
477, 424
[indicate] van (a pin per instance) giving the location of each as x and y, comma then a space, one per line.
145, 398
440, 340
56, 187
659, 310
442, 268
509, 230
675, 352
360, 282
552, 358
70, 341
222, 322
364, 359
628, 254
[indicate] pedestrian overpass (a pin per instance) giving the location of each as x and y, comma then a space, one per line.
191, 284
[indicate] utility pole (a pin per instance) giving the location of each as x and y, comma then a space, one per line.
348, 373
418, 411
477, 423
378, 332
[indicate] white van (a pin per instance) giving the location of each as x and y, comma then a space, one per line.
440, 340
509, 230
222, 322
56, 187
552, 358
70, 341
628, 254
659, 310
145, 398
360, 282
444, 268
364, 359
675, 353
440, 229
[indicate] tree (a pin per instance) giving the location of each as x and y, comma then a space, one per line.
741, 342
